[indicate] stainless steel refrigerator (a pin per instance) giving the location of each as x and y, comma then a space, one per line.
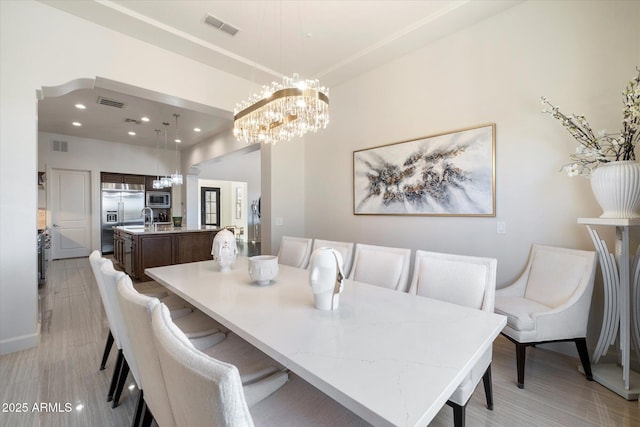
121, 205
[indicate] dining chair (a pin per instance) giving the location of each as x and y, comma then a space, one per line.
125, 361
294, 251
549, 302
381, 266
178, 306
96, 261
152, 390
195, 325
204, 391
260, 374
345, 249
463, 280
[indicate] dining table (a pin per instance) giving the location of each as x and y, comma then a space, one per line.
390, 357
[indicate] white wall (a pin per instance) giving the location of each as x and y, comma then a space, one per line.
42, 46
286, 182
578, 54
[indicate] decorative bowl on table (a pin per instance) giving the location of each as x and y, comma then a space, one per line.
263, 268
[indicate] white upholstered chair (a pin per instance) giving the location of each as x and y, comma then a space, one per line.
549, 302
126, 360
177, 305
96, 260
467, 281
204, 391
345, 249
295, 251
196, 325
256, 368
136, 311
381, 266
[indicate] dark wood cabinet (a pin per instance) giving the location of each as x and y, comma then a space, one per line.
122, 178
118, 246
148, 182
193, 247
154, 251
135, 252
133, 179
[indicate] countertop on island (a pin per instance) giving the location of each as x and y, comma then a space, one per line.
164, 229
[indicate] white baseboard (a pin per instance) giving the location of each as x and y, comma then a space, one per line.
20, 343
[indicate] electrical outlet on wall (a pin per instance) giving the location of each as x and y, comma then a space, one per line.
279, 220
501, 227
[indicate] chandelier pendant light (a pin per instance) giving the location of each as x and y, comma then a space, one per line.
157, 184
176, 178
165, 180
282, 111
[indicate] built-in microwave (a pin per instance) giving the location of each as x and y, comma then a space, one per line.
158, 199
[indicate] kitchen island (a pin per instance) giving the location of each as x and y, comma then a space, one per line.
140, 247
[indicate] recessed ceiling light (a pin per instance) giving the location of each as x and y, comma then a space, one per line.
78, 124
177, 140
144, 119
80, 106
132, 133
196, 129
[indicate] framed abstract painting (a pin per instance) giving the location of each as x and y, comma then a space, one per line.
448, 174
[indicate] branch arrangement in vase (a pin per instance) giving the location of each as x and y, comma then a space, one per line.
595, 149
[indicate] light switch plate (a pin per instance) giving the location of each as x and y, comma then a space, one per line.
501, 227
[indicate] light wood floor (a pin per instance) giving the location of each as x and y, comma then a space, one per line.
63, 369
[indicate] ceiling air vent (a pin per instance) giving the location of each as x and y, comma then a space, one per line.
127, 120
221, 25
110, 102
61, 146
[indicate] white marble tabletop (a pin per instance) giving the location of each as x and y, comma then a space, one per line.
390, 357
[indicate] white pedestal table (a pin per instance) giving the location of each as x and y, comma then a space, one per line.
621, 318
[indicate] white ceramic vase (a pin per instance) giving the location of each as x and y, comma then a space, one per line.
616, 187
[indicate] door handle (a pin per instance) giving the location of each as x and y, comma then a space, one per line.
56, 225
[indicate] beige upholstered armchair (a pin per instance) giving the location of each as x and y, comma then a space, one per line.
549, 302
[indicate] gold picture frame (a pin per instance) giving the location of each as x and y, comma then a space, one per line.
446, 174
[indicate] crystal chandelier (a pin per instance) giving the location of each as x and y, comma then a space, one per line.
176, 178
157, 183
282, 111
165, 180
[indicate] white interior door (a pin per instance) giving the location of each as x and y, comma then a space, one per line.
70, 197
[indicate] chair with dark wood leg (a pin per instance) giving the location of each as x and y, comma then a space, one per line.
264, 375
462, 280
226, 401
196, 324
177, 305
107, 350
549, 302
